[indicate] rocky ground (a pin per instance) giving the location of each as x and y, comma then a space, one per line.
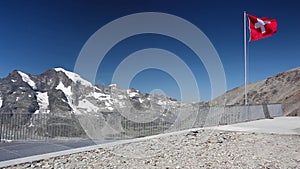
196, 149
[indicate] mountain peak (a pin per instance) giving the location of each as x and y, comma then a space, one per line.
74, 77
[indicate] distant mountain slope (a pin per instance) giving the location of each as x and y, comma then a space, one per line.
282, 88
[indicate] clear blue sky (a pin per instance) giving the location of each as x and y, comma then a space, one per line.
38, 35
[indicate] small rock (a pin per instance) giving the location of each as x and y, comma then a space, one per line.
192, 133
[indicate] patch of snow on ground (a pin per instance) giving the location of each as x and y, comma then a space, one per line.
74, 77
43, 101
27, 79
13, 80
1, 102
17, 99
85, 104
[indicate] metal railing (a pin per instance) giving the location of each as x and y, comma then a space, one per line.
44, 126
20, 126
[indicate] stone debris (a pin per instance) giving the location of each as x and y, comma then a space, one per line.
195, 149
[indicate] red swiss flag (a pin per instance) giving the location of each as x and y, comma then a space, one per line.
261, 27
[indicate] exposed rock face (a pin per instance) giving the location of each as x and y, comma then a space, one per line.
282, 88
13, 89
25, 97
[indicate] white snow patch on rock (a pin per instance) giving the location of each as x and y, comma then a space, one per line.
1, 102
43, 101
108, 106
66, 90
17, 99
22, 88
100, 96
131, 94
64, 100
113, 85
161, 102
27, 79
13, 80
68, 93
31, 124
88, 106
74, 77
141, 100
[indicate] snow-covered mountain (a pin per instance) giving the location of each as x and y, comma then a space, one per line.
66, 95
61, 91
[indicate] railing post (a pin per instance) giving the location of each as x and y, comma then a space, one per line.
266, 111
1, 127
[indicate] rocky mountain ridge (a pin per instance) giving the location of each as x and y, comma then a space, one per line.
282, 88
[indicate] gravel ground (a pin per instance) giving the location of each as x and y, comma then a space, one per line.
196, 149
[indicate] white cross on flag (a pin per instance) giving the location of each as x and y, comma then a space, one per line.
261, 27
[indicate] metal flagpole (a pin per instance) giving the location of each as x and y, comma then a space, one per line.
245, 59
